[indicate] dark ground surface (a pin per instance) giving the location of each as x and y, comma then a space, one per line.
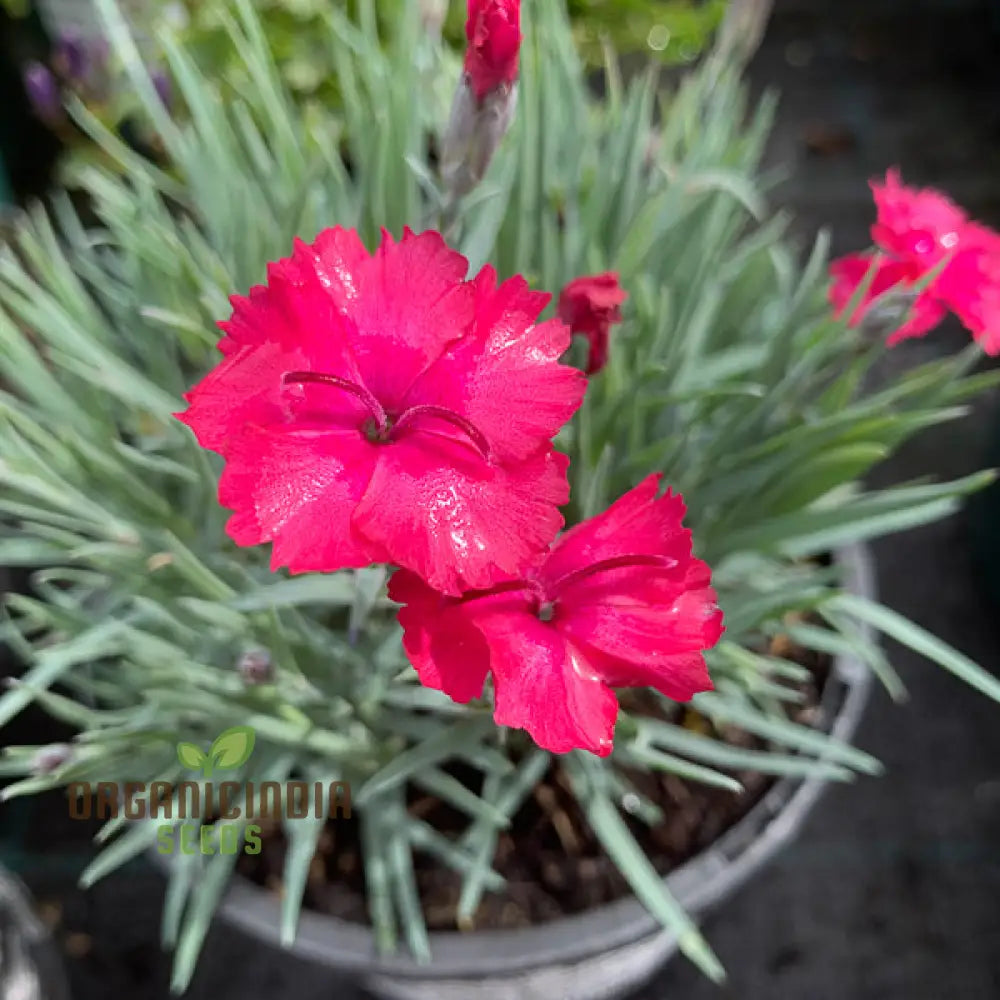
893, 890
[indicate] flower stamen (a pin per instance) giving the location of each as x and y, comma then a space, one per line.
511, 587
663, 563
471, 431
379, 416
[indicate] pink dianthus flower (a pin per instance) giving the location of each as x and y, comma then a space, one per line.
379, 408
618, 601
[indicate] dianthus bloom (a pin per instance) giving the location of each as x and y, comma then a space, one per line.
618, 601
921, 312
493, 30
591, 306
920, 233
383, 409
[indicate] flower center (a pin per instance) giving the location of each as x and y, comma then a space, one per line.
380, 427
547, 599
547, 612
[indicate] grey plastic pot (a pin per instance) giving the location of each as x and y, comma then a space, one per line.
30, 968
594, 956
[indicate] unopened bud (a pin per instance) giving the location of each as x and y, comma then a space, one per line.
256, 667
493, 55
486, 97
475, 132
591, 306
51, 758
43, 92
71, 57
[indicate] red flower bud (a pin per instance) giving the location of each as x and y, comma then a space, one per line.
494, 33
591, 306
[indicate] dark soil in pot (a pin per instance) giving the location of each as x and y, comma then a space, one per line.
552, 863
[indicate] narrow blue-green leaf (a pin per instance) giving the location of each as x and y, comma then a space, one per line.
303, 837
440, 747
129, 845
203, 901
646, 882
920, 641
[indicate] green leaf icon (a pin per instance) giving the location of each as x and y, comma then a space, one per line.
233, 748
191, 756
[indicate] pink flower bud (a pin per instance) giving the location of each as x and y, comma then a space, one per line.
71, 56
51, 758
591, 306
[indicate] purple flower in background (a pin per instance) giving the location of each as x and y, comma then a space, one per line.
43, 91
72, 57
164, 88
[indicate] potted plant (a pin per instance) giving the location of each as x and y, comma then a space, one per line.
453, 720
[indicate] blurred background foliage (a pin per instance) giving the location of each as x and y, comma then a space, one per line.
675, 31
670, 31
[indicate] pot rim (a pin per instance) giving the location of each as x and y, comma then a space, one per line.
698, 884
